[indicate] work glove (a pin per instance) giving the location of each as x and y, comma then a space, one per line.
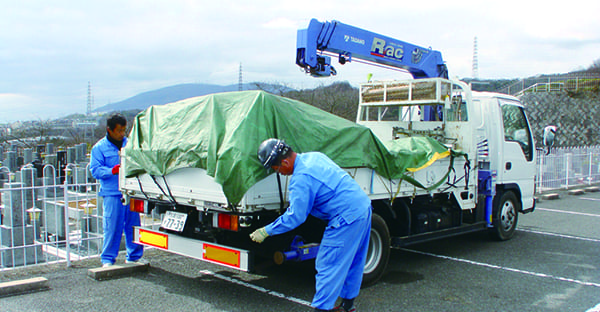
259, 235
115, 169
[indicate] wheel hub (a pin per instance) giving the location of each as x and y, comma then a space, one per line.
508, 215
374, 253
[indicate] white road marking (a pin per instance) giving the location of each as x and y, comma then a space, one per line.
257, 288
562, 235
570, 212
589, 198
493, 266
594, 309
597, 307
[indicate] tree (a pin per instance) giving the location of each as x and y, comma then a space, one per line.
339, 98
274, 88
42, 129
595, 67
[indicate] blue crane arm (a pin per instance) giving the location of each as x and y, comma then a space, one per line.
351, 42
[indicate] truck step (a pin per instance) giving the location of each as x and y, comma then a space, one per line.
398, 242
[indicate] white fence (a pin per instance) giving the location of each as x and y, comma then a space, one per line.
47, 218
50, 218
568, 167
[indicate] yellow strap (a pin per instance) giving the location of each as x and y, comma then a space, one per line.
435, 157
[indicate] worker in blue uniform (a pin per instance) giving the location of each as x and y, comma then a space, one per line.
321, 188
104, 165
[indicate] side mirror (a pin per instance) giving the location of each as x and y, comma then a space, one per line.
549, 135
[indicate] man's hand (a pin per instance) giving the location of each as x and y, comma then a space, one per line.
259, 235
115, 169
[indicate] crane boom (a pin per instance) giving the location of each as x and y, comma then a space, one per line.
354, 43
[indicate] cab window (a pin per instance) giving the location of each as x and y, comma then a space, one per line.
516, 128
458, 109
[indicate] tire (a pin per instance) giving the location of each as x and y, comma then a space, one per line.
506, 215
379, 251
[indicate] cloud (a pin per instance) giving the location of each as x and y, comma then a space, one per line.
51, 49
16, 100
281, 23
17, 106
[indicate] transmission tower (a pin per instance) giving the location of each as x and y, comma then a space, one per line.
240, 84
90, 99
475, 61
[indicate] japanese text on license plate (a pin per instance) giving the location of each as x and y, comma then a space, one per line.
174, 221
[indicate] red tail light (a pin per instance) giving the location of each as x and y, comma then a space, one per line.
228, 222
137, 205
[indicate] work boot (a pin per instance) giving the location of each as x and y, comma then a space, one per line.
138, 261
340, 308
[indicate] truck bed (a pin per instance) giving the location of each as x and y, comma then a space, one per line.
193, 187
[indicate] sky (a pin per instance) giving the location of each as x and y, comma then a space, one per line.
51, 50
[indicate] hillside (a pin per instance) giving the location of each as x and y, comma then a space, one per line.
168, 95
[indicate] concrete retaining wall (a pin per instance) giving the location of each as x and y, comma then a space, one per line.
577, 116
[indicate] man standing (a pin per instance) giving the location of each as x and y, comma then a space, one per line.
104, 165
321, 188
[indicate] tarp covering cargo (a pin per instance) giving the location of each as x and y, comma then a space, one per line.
221, 133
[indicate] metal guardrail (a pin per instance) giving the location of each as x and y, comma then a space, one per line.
570, 82
543, 87
568, 167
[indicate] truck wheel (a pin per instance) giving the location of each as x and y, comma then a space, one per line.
505, 216
379, 251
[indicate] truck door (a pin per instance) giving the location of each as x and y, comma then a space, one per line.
518, 164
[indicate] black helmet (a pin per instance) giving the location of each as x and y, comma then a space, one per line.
270, 150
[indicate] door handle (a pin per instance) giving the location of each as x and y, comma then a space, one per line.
508, 165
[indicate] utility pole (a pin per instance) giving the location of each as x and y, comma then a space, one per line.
475, 61
89, 99
85, 123
240, 83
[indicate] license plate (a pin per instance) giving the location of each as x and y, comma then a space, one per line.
174, 221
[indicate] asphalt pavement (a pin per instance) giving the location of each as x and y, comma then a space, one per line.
552, 264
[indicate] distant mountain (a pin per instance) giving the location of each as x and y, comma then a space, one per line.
176, 93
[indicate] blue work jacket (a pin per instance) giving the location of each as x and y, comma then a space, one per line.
319, 187
104, 156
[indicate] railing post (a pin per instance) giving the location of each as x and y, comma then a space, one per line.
590, 167
67, 227
567, 170
541, 175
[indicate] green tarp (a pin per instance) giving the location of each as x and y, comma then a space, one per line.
221, 133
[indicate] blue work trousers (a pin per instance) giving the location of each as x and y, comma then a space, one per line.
118, 218
341, 261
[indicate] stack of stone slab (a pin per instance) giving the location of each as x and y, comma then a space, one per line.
16, 235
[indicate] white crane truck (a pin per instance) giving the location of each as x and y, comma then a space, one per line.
481, 179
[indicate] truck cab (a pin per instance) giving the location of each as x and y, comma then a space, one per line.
506, 129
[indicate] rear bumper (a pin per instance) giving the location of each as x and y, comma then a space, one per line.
235, 258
